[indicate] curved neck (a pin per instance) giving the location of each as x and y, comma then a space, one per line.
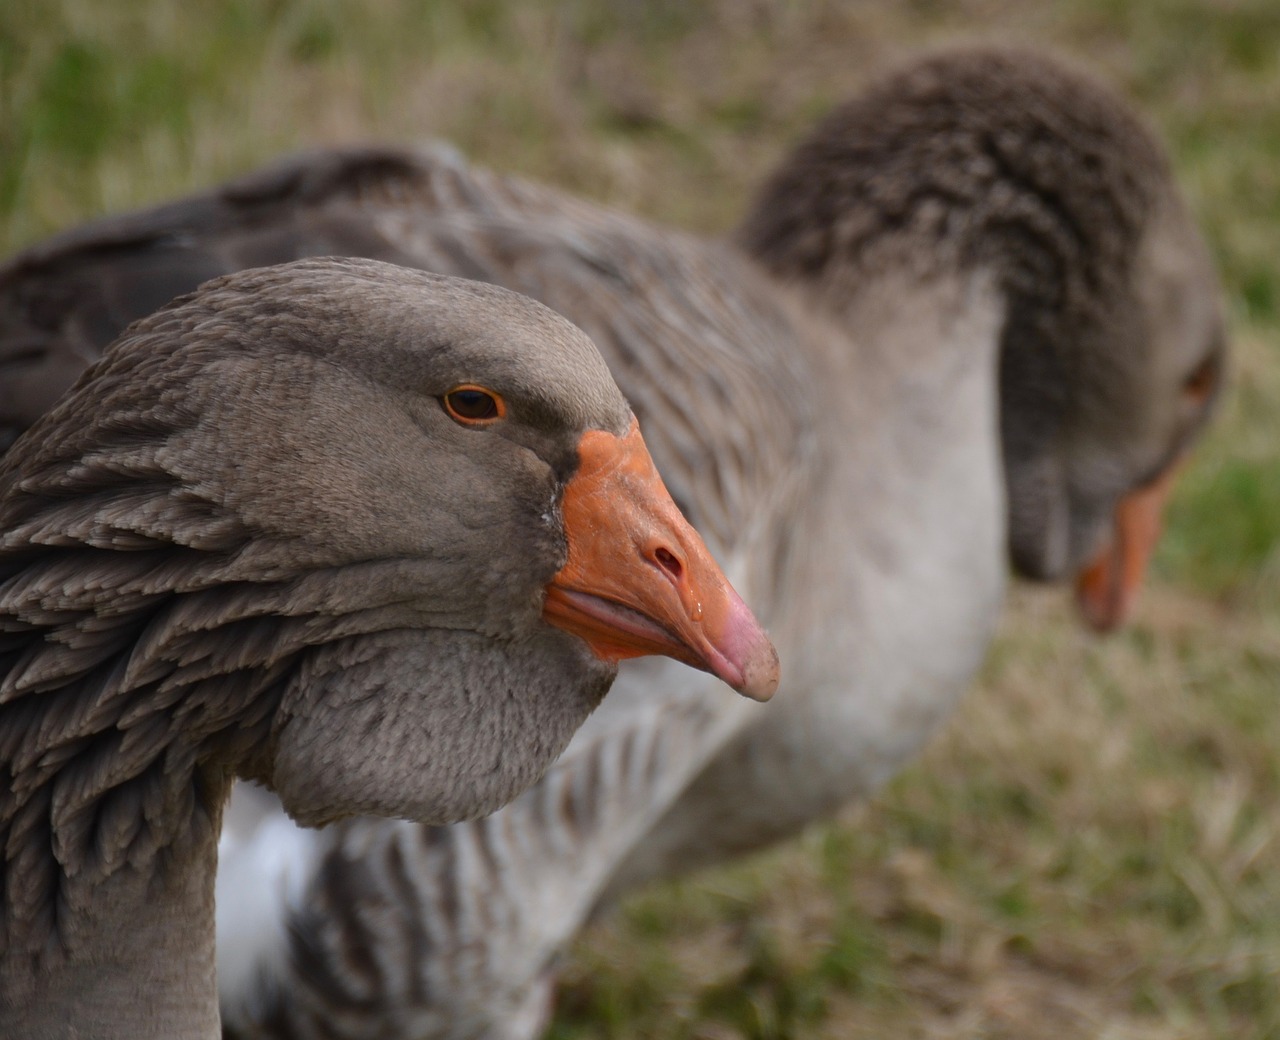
912, 478
136, 963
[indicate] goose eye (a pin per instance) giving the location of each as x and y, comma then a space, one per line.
474, 405
1199, 384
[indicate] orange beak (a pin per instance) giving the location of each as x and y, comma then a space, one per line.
1107, 586
639, 580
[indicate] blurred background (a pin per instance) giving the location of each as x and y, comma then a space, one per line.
1093, 847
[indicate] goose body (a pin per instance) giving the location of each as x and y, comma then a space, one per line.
333, 526
969, 319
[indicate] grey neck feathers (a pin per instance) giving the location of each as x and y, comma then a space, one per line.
120, 726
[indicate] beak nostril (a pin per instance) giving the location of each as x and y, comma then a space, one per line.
669, 562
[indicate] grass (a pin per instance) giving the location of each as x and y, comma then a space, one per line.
1093, 847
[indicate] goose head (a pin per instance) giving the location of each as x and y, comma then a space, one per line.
375, 537
1112, 348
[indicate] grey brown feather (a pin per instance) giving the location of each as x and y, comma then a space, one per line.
956, 326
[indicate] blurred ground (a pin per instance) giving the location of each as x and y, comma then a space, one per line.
1092, 849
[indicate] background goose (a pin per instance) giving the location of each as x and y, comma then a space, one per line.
307, 525
983, 235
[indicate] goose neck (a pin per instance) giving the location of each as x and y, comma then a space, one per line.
133, 962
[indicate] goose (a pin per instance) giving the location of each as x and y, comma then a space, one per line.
373, 537
969, 321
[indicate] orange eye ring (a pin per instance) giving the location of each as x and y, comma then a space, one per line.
474, 405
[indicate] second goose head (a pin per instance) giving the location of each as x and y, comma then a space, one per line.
1112, 346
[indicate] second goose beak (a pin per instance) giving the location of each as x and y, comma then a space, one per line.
1107, 586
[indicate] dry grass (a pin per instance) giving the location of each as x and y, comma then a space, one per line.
1092, 848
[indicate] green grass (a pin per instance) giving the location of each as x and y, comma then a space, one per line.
1093, 847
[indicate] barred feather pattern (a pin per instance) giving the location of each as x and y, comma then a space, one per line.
87, 782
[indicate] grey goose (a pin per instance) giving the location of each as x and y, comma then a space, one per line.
969, 320
376, 538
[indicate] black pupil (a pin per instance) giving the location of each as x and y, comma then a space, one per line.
473, 404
